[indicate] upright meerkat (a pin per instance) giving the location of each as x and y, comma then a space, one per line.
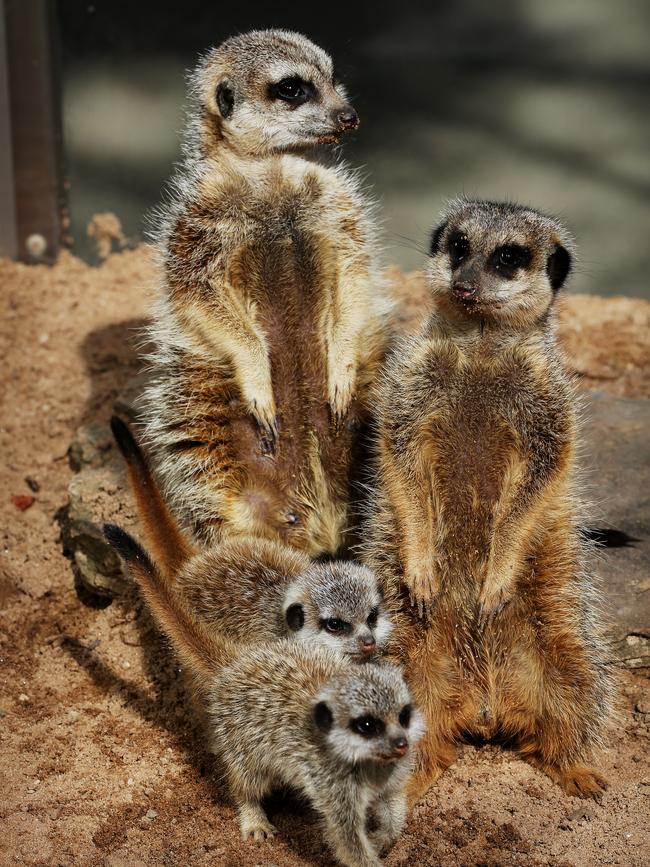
475, 510
258, 590
271, 316
294, 714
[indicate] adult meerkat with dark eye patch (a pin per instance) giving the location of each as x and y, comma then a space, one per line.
258, 590
294, 714
474, 514
271, 315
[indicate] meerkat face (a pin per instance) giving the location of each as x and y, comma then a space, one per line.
500, 263
368, 716
338, 605
271, 91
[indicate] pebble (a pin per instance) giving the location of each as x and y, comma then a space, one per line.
151, 814
126, 663
23, 698
148, 792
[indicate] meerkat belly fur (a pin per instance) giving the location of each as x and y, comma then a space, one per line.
298, 715
271, 316
474, 517
258, 590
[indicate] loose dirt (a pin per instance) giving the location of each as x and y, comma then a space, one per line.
101, 764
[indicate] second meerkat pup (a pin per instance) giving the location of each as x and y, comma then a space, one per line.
270, 321
475, 511
258, 590
298, 715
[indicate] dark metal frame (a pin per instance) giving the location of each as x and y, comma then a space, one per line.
31, 176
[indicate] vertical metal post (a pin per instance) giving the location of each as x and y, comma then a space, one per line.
30, 60
8, 233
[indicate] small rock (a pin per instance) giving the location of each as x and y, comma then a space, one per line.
580, 813
148, 792
23, 501
126, 663
32, 484
23, 698
151, 814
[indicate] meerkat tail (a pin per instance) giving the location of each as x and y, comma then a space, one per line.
201, 652
169, 545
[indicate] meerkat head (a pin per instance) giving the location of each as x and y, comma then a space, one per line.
269, 91
497, 262
367, 716
338, 604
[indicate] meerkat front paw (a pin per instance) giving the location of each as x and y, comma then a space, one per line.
491, 602
423, 585
341, 391
266, 419
254, 825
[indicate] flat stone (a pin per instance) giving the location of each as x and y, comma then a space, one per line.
617, 476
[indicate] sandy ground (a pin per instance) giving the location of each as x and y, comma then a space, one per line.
100, 761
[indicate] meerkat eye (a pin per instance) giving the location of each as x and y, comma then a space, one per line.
368, 726
510, 257
405, 716
373, 617
293, 90
458, 248
335, 626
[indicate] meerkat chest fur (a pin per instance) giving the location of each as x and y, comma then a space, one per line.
283, 236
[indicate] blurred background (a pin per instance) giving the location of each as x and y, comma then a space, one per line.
542, 102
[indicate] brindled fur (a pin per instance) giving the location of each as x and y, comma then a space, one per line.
299, 715
474, 517
271, 314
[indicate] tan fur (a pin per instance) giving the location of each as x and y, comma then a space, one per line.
473, 521
271, 318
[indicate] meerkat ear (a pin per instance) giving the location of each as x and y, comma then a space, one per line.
323, 716
435, 239
558, 266
295, 615
225, 98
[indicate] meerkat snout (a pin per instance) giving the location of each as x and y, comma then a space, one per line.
270, 91
497, 263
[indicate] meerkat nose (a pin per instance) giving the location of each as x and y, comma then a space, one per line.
400, 746
368, 643
464, 290
347, 118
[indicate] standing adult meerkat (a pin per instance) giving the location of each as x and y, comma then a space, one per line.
474, 516
271, 316
298, 715
258, 590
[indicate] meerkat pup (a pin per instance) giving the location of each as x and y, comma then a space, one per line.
271, 316
474, 517
299, 715
258, 590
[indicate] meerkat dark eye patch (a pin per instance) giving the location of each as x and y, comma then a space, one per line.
368, 726
323, 716
458, 248
293, 90
295, 616
225, 99
434, 246
373, 617
508, 259
558, 266
405, 716
335, 626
